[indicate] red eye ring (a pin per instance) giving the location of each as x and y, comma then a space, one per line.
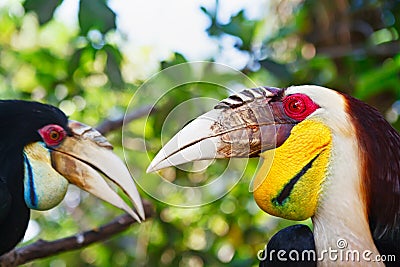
298, 106
52, 134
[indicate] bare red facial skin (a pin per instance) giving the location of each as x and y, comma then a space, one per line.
298, 106
52, 134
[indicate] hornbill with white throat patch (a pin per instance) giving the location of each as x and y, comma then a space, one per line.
40, 153
326, 155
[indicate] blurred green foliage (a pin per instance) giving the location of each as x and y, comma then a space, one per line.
352, 47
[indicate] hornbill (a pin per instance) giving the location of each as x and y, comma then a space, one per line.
326, 155
40, 153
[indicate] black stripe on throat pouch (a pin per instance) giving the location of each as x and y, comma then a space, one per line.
287, 189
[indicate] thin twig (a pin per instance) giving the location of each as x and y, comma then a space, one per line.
389, 49
42, 248
110, 125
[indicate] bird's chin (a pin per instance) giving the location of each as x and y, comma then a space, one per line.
40, 179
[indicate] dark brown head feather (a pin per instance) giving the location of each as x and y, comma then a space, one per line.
379, 145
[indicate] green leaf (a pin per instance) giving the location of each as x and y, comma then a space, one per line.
241, 27
74, 61
43, 8
113, 63
177, 59
279, 70
379, 80
95, 14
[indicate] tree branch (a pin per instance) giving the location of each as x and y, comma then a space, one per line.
42, 248
388, 49
110, 125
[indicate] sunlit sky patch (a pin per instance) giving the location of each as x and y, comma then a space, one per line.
163, 26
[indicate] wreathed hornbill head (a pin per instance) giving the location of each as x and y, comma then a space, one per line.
326, 155
40, 153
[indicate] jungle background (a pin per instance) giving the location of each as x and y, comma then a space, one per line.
87, 71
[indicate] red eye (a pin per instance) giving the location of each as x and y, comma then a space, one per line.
52, 134
298, 106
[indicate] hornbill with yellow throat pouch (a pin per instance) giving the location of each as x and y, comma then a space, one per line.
326, 155
40, 153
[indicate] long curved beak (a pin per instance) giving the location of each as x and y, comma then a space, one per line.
84, 156
242, 125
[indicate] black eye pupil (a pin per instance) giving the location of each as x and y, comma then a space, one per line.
295, 105
54, 135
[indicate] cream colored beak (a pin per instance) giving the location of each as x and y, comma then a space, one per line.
83, 156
